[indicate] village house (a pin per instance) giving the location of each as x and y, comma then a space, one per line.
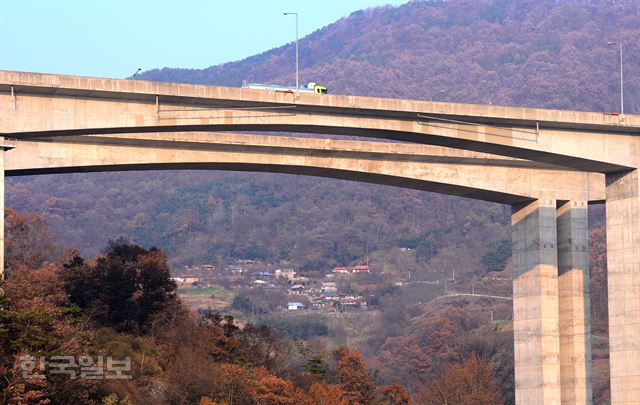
362, 268
322, 303
294, 306
340, 270
289, 274
352, 302
329, 287
297, 289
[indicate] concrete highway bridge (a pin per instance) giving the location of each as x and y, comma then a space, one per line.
548, 165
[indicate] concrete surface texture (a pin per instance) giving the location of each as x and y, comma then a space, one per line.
573, 289
535, 303
444, 170
623, 266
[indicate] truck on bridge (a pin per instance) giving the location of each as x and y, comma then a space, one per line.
311, 87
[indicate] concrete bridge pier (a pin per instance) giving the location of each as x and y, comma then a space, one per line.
574, 306
623, 266
551, 310
535, 303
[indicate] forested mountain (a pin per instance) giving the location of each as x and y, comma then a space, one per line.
528, 53
525, 53
544, 53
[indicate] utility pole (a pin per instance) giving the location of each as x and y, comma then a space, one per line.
621, 83
297, 66
621, 78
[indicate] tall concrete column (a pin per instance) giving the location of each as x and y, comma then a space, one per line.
573, 288
623, 266
535, 303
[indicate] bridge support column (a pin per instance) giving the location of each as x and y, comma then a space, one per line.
574, 307
623, 266
535, 303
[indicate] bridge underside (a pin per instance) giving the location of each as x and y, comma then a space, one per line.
443, 170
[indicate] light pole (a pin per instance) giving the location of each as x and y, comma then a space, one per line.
621, 78
437, 94
297, 68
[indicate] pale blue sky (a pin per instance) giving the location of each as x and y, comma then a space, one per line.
112, 38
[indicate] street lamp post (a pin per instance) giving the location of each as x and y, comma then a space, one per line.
297, 66
621, 78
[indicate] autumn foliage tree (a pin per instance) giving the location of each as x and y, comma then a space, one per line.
394, 394
28, 242
466, 383
37, 319
354, 380
321, 394
271, 390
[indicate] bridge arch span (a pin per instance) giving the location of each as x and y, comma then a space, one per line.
442, 170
